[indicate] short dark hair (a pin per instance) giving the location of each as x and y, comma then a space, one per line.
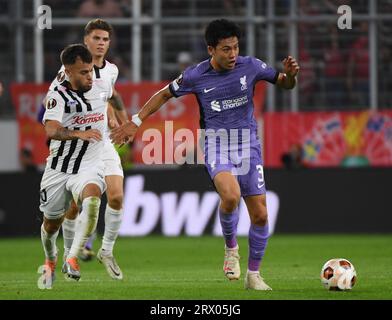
98, 24
72, 52
221, 29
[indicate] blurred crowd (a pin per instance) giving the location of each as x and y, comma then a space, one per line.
334, 64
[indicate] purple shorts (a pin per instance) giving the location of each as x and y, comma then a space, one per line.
244, 161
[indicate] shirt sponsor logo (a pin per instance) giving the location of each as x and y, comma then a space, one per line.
90, 118
234, 103
229, 103
216, 106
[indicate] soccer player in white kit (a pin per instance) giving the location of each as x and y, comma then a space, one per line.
75, 121
97, 39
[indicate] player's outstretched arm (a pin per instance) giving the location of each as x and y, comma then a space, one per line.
287, 79
128, 130
54, 130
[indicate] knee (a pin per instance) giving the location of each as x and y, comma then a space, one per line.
260, 220
72, 211
115, 201
51, 226
260, 217
230, 201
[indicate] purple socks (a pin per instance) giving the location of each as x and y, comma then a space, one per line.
258, 237
229, 222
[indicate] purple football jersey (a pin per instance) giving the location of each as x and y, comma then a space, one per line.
225, 98
226, 102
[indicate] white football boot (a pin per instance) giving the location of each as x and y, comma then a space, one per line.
231, 264
110, 264
254, 281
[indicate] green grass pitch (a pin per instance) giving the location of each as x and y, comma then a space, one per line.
158, 267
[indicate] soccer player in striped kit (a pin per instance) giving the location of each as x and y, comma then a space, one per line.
224, 87
75, 120
97, 39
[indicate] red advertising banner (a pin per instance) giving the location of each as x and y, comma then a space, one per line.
27, 99
330, 138
182, 113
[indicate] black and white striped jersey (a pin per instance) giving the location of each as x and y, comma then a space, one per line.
77, 111
107, 74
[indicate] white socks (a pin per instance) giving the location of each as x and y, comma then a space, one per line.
113, 220
49, 243
68, 234
86, 224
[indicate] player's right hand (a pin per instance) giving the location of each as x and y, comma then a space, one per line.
90, 135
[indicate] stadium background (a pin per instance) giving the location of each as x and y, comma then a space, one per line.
339, 116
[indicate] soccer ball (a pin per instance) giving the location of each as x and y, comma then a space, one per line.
338, 274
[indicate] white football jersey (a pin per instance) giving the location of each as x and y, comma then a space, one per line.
108, 74
77, 111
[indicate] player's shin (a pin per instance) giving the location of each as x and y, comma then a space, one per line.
49, 243
113, 220
258, 237
68, 227
229, 222
86, 224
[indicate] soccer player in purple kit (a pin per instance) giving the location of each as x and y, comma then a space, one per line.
224, 87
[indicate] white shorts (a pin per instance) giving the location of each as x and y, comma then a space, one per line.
58, 188
111, 161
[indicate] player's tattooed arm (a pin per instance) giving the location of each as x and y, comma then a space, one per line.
54, 130
118, 105
116, 101
63, 134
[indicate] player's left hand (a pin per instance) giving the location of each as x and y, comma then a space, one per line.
290, 66
123, 133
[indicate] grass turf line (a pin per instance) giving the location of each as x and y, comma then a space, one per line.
157, 267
